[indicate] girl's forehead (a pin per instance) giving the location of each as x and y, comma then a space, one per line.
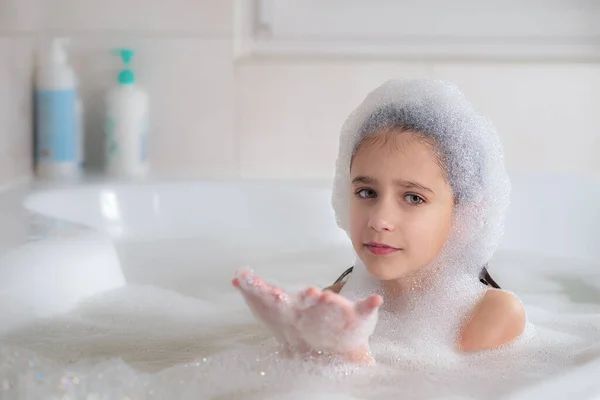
401, 154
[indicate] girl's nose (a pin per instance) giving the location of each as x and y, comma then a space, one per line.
383, 219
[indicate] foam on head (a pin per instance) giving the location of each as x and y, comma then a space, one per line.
469, 149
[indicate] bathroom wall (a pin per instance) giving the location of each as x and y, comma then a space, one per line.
15, 108
184, 59
270, 117
546, 113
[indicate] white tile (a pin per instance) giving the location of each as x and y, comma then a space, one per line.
7, 171
4, 98
192, 87
21, 15
212, 18
290, 113
15, 109
190, 83
6, 164
546, 114
20, 107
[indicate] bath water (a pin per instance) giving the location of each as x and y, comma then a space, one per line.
180, 330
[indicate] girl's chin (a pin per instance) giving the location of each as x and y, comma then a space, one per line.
385, 273
388, 269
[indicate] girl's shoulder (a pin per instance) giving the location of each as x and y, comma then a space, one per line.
496, 320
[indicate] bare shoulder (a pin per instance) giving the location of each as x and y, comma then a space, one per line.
498, 319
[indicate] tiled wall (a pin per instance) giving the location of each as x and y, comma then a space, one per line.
15, 108
184, 59
547, 114
213, 117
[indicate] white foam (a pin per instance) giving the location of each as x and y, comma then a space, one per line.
141, 340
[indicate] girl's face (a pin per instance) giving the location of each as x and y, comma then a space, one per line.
401, 205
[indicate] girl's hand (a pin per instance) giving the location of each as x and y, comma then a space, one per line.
314, 321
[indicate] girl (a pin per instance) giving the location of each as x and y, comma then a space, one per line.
421, 190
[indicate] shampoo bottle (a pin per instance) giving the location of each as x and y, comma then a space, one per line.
58, 115
126, 125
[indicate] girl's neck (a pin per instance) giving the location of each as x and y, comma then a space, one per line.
430, 279
416, 284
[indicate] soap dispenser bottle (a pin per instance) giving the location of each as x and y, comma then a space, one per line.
126, 125
58, 115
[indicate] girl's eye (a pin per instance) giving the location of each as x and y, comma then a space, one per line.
366, 193
414, 199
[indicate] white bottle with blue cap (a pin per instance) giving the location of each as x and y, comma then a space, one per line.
59, 140
126, 125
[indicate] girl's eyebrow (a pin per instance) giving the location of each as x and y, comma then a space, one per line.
411, 185
367, 180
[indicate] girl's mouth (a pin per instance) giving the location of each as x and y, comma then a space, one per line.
380, 249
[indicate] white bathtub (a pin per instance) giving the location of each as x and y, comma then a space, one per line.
229, 223
189, 237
